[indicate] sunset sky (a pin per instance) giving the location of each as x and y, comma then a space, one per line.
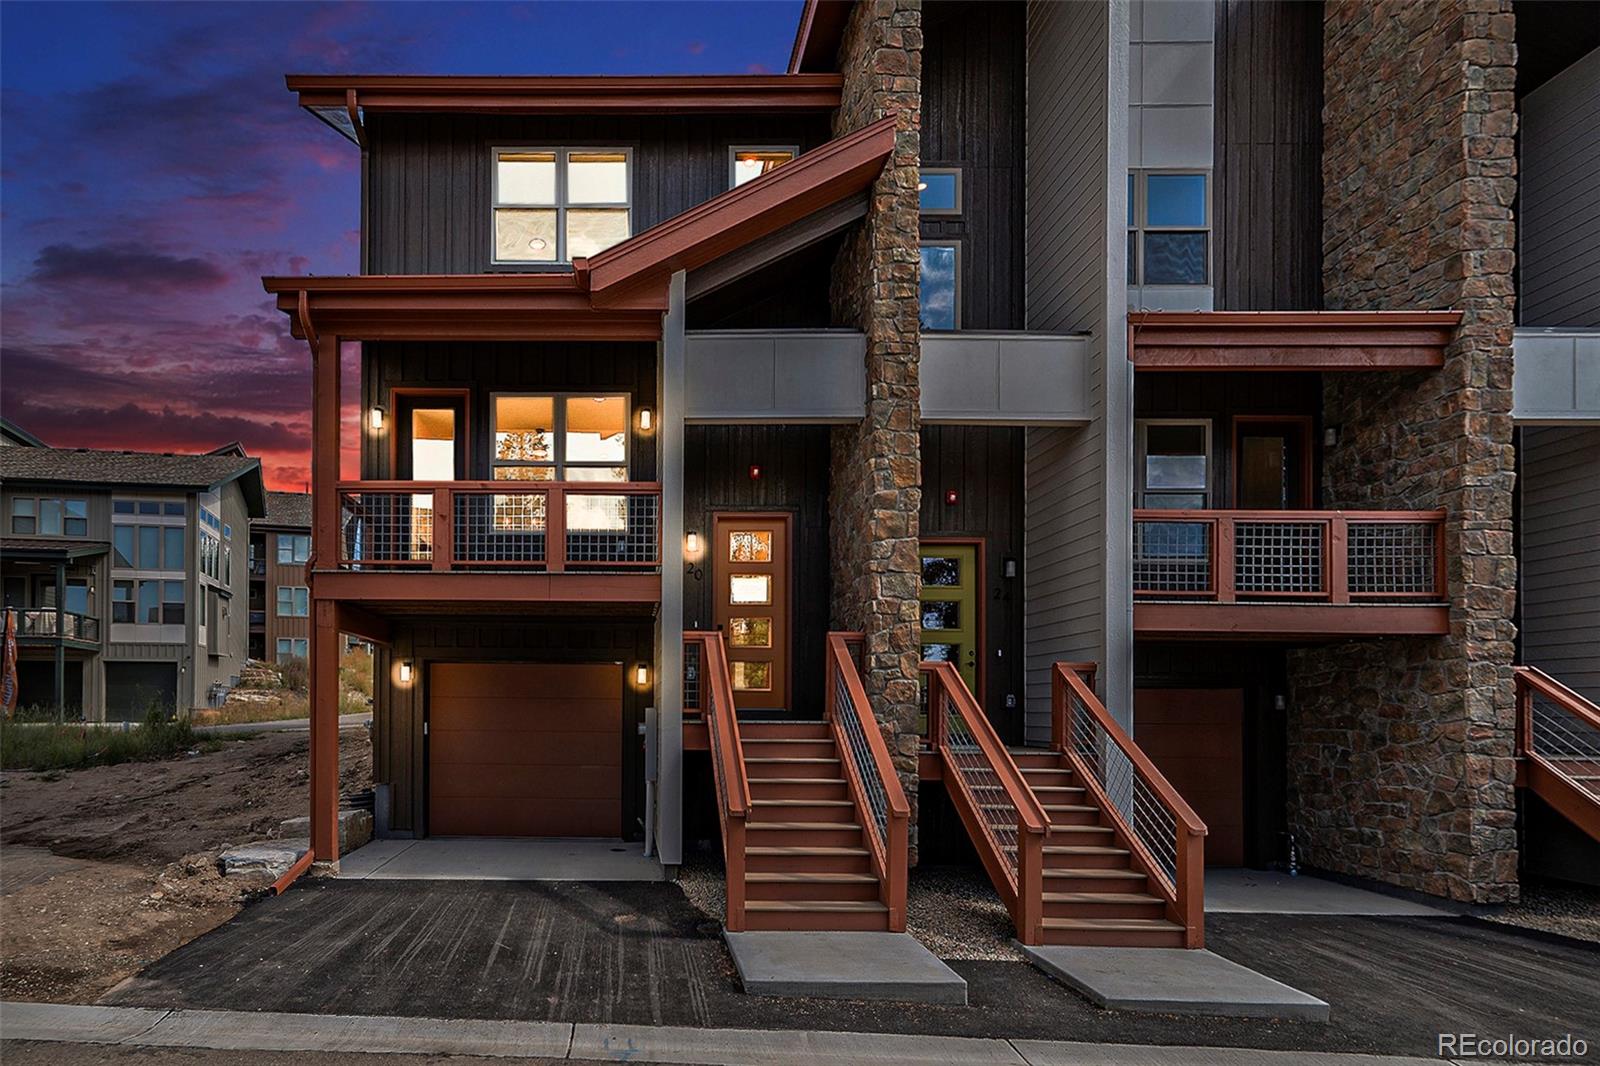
154, 167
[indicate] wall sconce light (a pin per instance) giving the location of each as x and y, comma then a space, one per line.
755, 471
1008, 568
641, 675
691, 544
646, 419
951, 497
1330, 436
405, 671
375, 419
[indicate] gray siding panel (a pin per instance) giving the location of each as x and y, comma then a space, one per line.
1559, 545
1558, 218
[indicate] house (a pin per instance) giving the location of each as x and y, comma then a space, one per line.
1080, 432
121, 568
13, 435
280, 598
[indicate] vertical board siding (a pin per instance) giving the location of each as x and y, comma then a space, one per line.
1558, 215
1064, 528
430, 180
1559, 545
1267, 183
983, 464
973, 117
794, 479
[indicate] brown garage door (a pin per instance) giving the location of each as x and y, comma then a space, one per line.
1196, 739
525, 749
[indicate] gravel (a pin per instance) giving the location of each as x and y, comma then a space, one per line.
1555, 907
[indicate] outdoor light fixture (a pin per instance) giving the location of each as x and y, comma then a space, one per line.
375, 419
1009, 567
755, 471
641, 675
951, 497
691, 543
1330, 437
405, 671
646, 420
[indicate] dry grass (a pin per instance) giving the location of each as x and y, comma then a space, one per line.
29, 746
274, 693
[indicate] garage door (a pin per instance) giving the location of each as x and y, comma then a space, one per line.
525, 749
1196, 739
134, 689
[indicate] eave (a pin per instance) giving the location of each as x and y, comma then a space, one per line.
1289, 340
817, 39
1298, 623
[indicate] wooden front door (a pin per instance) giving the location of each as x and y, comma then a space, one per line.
952, 605
1195, 736
750, 571
1272, 464
525, 749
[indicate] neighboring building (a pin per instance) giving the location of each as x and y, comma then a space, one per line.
12, 434
128, 575
1009, 336
280, 596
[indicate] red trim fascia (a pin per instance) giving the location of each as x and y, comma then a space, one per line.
817, 39
292, 874
582, 95
1289, 340
1286, 621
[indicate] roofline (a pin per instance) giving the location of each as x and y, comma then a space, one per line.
258, 497
817, 38
12, 429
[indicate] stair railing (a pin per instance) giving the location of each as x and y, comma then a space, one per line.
1558, 747
727, 764
981, 777
1164, 835
869, 773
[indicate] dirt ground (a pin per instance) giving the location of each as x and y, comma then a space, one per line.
106, 869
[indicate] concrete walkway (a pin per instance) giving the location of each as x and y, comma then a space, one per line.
283, 725
352, 1034
843, 965
500, 859
1274, 892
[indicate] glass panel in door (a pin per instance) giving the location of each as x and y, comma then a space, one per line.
951, 594
750, 566
431, 447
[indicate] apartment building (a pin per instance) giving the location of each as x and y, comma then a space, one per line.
280, 596
122, 570
1080, 431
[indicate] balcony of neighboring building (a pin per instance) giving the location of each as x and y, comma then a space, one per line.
50, 585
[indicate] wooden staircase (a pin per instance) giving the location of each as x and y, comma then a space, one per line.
814, 822
1558, 748
1073, 865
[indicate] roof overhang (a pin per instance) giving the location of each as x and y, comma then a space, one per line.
619, 294
19, 549
341, 99
817, 39
1289, 340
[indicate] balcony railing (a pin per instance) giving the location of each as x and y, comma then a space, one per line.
41, 622
1337, 557
550, 527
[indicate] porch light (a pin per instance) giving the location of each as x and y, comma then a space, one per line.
641, 675
405, 671
691, 544
375, 419
951, 498
755, 471
646, 420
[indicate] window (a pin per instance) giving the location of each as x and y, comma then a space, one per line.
149, 602
552, 205
293, 548
172, 547
293, 647
939, 191
172, 601
24, 516
1169, 236
294, 601
1173, 463
122, 601
941, 286
51, 517
560, 438
750, 162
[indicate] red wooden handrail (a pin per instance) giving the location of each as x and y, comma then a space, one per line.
1023, 889
890, 856
1549, 774
727, 764
1187, 892
1530, 679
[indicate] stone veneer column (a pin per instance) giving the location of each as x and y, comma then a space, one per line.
875, 475
1401, 751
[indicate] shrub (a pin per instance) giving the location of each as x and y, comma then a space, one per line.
28, 746
296, 674
355, 674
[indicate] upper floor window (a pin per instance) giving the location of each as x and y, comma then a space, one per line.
552, 205
1173, 463
940, 293
293, 548
1169, 228
750, 162
939, 191
50, 517
294, 601
560, 437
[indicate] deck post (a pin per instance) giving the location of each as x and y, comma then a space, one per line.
324, 642
669, 652
61, 644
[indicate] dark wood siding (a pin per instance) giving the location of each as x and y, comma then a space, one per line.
1267, 199
794, 478
490, 368
974, 71
983, 465
790, 294
399, 752
1220, 397
429, 180
278, 575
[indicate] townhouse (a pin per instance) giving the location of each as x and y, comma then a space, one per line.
1083, 432
280, 597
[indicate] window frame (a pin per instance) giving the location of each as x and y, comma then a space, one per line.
735, 149
297, 594
303, 643
1139, 226
562, 205
293, 542
1141, 453
941, 242
558, 465
961, 193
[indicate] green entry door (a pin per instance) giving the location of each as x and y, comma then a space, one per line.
952, 592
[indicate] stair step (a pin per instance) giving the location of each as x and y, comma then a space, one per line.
1057, 827
1102, 897
764, 849
1082, 849
802, 781
810, 879
802, 802
1094, 873
1127, 925
803, 827
782, 905
805, 760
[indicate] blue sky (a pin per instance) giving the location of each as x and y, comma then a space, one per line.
153, 166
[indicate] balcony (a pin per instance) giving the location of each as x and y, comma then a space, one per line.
1288, 575
39, 624
455, 541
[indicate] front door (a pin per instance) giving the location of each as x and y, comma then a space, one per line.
750, 568
1272, 462
952, 593
430, 445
